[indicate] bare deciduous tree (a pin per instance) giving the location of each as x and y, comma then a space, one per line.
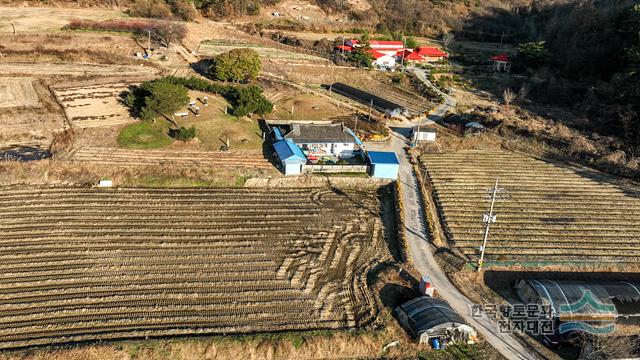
604, 347
523, 92
508, 96
448, 39
166, 32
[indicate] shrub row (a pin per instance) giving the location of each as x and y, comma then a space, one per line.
244, 99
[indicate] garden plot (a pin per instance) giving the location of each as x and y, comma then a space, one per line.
94, 264
17, 92
95, 106
544, 212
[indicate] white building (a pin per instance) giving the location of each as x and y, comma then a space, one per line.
323, 140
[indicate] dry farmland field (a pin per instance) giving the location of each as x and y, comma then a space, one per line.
215, 47
75, 69
16, 92
545, 212
95, 106
177, 158
29, 114
86, 264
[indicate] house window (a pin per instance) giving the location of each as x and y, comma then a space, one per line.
345, 144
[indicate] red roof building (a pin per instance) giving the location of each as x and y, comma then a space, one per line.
502, 57
501, 63
345, 48
409, 55
386, 45
431, 52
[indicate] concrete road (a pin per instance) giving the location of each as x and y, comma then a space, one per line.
420, 249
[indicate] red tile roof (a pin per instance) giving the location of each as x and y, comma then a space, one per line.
410, 55
399, 44
501, 57
346, 48
376, 54
431, 52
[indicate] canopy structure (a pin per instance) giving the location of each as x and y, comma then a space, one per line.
426, 317
501, 58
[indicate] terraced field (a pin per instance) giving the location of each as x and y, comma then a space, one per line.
545, 212
180, 158
86, 264
215, 47
95, 105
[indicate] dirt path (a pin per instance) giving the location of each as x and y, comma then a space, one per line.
450, 102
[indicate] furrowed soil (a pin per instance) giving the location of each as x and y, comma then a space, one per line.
136, 262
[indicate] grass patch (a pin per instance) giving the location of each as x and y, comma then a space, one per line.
177, 181
144, 135
343, 174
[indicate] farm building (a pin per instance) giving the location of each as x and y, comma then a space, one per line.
379, 45
383, 60
323, 140
290, 156
431, 54
410, 56
384, 165
426, 133
426, 318
387, 54
603, 301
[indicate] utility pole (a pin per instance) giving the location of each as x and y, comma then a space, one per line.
417, 133
402, 57
370, 106
355, 128
501, 38
149, 44
488, 219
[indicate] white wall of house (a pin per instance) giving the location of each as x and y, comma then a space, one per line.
337, 149
385, 61
424, 136
292, 169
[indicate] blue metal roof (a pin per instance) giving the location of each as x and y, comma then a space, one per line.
288, 151
383, 157
277, 134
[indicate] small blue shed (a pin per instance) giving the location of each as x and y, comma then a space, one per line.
384, 165
291, 157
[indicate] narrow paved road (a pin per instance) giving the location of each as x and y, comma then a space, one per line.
421, 250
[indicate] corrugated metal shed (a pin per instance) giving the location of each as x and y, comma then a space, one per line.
426, 317
384, 165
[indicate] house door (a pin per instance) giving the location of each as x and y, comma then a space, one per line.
333, 146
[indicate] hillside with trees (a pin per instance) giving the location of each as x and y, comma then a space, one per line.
583, 56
